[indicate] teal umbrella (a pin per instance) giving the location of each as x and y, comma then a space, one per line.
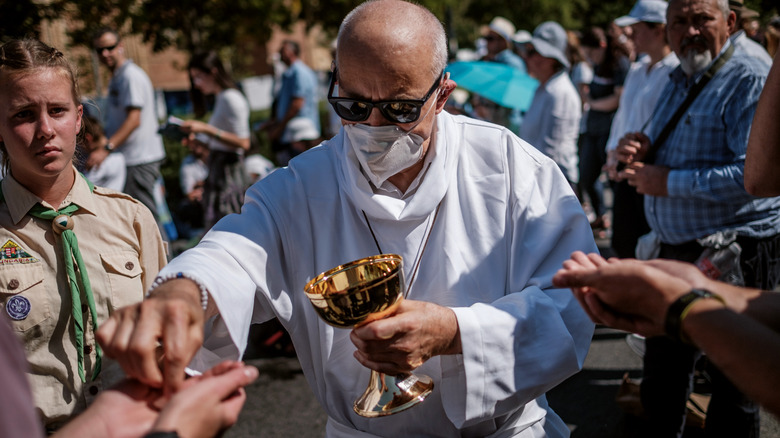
501, 83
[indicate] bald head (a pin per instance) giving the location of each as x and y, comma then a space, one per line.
389, 32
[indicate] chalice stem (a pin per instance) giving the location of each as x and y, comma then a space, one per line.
387, 395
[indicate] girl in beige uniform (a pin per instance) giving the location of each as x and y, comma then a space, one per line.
71, 253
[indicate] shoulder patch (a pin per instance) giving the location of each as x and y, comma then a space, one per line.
12, 253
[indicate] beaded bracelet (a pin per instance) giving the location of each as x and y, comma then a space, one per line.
204, 293
680, 308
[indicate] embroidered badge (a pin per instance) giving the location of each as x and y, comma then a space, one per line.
12, 253
17, 307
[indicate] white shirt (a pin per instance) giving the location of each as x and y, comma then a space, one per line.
641, 90
191, 172
508, 219
111, 173
552, 123
231, 113
130, 87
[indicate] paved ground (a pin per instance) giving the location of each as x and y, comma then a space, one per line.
280, 403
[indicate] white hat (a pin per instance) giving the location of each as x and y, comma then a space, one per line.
298, 129
503, 27
522, 37
649, 11
550, 41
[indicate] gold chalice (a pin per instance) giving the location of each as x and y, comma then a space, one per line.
360, 292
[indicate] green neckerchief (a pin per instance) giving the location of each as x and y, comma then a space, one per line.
63, 225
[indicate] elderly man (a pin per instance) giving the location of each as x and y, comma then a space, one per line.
690, 171
485, 217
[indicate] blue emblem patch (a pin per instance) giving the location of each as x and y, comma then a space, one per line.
17, 307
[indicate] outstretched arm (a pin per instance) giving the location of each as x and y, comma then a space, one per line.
762, 162
635, 296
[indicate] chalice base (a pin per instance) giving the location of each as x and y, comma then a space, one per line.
387, 395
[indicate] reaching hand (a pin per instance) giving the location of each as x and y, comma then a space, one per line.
209, 403
166, 328
417, 331
205, 405
626, 294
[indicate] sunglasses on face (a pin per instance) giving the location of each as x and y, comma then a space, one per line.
99, 50
396, 111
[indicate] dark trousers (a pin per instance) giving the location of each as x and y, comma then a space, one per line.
592, 158
140, 183
628, 219
669, 365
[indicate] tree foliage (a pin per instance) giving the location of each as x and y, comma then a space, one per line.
238, 24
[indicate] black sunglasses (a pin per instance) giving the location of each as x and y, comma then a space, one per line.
100, 50
396, 111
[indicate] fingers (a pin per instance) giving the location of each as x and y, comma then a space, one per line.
183, 335
404, 341
210, 404
132, 344
133, 335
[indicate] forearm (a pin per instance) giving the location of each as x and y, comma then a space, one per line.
228, 138
605, 104
132, 121
714, 184
747, 351
292, 111
762, 163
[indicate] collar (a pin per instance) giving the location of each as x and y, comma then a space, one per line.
122, 67
423, 195
20, 200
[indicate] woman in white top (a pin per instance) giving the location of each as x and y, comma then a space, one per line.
226, 135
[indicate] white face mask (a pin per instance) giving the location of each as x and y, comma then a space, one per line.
384, 151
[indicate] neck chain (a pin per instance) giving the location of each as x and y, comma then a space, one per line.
426, 238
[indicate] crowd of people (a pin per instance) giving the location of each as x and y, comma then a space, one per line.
673, 102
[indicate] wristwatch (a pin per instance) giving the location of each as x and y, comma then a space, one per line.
162, 434
679, 309
110, 146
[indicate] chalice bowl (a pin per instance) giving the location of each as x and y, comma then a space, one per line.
357, 293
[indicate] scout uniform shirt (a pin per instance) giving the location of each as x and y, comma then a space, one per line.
122, 251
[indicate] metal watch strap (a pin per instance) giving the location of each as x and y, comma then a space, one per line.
678, 310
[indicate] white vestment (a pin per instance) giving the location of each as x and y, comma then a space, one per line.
508, 219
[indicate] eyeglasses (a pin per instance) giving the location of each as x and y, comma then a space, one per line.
99, 50
396, 111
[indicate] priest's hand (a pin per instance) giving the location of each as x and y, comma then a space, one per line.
156, 339
417, 331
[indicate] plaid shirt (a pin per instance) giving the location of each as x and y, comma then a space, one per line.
706, 155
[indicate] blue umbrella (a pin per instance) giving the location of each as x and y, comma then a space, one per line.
504, 85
